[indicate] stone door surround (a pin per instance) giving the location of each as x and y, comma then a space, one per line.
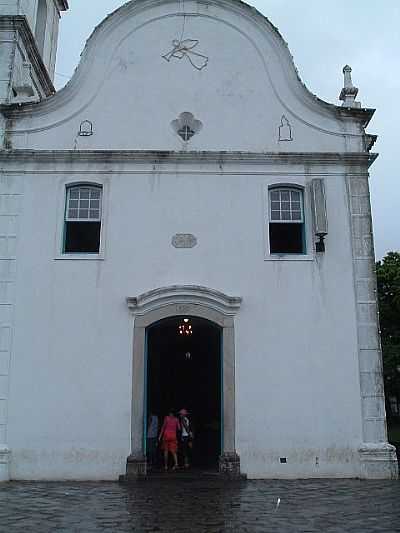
178, 300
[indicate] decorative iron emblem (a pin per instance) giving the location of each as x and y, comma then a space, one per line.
185, 48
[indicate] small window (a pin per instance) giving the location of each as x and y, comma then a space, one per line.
83, 219
286, 221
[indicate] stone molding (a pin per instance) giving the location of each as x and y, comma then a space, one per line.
20, 25
229, 465
378, 461
4, 463
136, 468
155, 157
191, 300
181, 295
9, 234
377, 457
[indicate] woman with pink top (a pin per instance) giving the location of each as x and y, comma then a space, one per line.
169, 439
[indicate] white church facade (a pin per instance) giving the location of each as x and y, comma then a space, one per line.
183, 225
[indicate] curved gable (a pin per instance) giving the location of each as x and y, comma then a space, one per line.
216, 76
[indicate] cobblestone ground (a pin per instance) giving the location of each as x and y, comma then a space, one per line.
202, 506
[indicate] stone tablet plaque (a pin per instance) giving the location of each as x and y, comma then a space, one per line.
184, 240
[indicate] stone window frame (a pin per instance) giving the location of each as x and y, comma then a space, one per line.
177, 300
288, 183
64, 186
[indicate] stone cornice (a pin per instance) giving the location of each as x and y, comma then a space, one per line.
370, 141
105, 157
364, 115
19, 24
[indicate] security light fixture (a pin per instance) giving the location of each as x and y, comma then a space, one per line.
319, 212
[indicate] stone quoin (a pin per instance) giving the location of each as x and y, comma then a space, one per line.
185, 176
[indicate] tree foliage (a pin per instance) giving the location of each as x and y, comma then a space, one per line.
388, 277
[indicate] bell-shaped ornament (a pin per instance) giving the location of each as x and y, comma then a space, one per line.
85, 129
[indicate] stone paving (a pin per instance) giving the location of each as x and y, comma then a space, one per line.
208, 505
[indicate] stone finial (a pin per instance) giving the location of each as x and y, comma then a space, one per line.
349, 92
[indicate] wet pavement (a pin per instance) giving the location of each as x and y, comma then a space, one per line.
202, 505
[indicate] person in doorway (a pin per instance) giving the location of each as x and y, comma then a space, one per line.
169, 438
186, 437
152, 434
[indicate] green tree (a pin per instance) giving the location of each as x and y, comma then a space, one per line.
388, 277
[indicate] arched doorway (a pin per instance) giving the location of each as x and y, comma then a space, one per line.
183, 301
184, 371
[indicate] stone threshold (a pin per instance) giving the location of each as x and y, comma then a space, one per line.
195, 474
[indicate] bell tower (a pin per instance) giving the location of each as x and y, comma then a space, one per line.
28, 43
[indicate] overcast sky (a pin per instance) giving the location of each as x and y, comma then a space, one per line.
361, 33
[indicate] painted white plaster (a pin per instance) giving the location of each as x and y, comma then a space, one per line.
298, 332
132, 94
295, 334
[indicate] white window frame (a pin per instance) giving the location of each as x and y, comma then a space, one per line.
287, 183
289, 190
63, 195
78, 208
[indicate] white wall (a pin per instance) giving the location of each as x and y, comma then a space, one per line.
297, 372
297, 376
132, 94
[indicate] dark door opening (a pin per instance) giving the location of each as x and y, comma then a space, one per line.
184, 371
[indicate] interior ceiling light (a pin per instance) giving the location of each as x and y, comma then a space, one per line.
185, 328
